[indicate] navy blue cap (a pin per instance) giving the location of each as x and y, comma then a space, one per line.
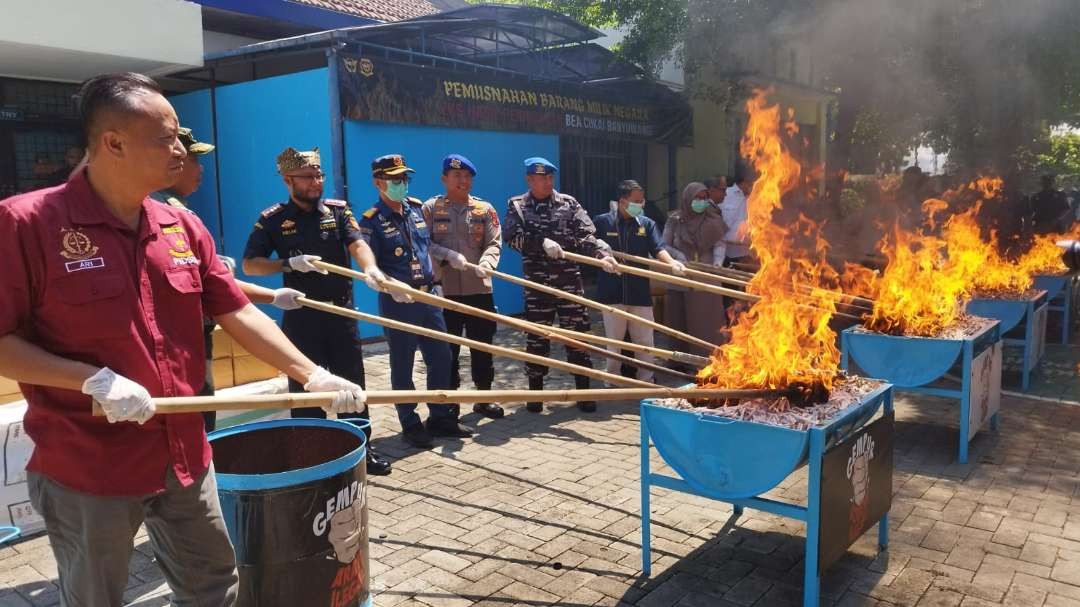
457, 161
390, 165
539, 166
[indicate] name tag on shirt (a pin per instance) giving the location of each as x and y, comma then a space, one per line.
85, 264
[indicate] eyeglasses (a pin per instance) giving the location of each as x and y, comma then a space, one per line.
397, 179
316, 177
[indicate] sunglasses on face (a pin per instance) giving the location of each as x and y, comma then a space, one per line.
396, 179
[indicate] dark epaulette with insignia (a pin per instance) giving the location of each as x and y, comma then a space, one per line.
335, 202
368, 214
416, 202
271, 210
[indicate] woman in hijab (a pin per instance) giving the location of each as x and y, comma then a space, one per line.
695, 233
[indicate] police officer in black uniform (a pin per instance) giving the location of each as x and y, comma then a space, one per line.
308, 228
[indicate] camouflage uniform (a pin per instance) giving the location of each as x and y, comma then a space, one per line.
562, 219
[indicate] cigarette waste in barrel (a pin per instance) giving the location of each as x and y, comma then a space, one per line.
293, 494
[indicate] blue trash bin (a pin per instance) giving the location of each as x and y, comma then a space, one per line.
293, 494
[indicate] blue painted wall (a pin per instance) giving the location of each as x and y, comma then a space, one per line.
256, 121
193, 109
498, 157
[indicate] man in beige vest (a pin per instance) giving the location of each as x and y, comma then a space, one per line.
466, 229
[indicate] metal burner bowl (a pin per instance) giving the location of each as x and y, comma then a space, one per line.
731, 459
915, 363
1008, 311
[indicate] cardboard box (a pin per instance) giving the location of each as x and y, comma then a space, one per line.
247, 369
8, 386
223, 373
223, 344
10, 398
15, 506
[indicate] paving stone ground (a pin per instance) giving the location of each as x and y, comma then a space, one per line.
543, 510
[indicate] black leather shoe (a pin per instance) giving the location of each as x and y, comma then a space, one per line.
376, 466
588, 406
418, 437
448, 427
534, 407
488, 410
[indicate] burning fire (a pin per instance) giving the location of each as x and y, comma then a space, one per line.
779, 342
929, 276
1045, 257
918, 293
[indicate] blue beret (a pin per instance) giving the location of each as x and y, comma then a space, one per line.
457, 161
539, 166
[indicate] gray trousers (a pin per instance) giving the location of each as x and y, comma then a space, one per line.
92, 538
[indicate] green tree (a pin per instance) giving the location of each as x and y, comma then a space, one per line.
654, 28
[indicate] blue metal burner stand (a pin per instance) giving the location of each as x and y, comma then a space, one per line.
912, 363
1062, 291
735, 461
1010, 312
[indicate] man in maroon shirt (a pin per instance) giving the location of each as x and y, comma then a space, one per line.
102, 297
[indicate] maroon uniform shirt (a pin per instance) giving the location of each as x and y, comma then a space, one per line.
80, 284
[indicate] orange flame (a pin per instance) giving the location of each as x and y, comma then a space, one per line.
779, 341
1045, 257
929, 277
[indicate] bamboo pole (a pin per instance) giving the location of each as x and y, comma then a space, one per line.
656, 263
675, 280
524, 325
843, 298
690, 284
199, 404
598, 306
682, 357
475, 345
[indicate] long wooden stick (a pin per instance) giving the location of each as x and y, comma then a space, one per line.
199, 404
656, 263
675, 355
524, 325
675, 280
475, 345
745, 277
598, 306
690, 284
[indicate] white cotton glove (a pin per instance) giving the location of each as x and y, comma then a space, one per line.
456, 260
400, 296
678, 268
610, 265
285, 299
552, 249
603, 246
122, 399
302, 263
350, 397
483, 269
374, 278
230, 263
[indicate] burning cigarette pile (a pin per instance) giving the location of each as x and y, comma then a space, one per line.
780, 341
847, 391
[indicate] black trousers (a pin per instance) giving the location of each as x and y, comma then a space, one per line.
479, 329
331, 342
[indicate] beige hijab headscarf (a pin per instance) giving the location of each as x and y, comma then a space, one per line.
695, 234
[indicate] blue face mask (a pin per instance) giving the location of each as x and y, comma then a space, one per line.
397, 190
698, 205
635, 208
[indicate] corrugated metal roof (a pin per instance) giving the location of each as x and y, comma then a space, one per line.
380, 10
